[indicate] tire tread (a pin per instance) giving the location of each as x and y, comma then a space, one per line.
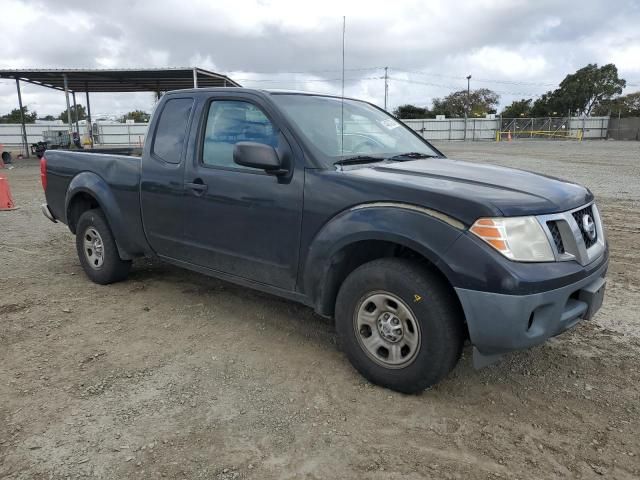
442, 301
114, 269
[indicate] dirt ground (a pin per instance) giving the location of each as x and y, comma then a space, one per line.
173, 374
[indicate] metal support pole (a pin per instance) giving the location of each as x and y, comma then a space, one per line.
195, 78
468, 109
386, 86
24, 127
75, 112
531, 129
66, 94
90, 130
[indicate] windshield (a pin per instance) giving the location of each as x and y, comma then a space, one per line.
368, 132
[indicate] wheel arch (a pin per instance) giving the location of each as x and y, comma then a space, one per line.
78, 204
374, 232
86, 191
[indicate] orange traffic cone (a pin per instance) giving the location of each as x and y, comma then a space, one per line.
6, 201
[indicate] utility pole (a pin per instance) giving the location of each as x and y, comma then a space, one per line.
468, 107
386, 86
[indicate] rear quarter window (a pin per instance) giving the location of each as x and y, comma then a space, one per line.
172, 129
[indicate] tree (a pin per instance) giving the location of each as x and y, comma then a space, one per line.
518, 108
548, 105
624, 106
82, 114
480, 102
138, 116
411, 111
48, 118
14, 116
581, 91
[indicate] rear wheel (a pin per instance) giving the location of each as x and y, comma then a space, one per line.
97, 249
399, 324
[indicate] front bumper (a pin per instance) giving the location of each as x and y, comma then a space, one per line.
500, 323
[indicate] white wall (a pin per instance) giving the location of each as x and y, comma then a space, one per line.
108, 133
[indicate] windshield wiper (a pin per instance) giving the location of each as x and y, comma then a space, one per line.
412, 155
358, 159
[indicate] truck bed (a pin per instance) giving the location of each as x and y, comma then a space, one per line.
116, 179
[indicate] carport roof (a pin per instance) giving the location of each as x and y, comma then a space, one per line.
121, 80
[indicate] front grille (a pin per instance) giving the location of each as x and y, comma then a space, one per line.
568, 237
577, 216
557, 238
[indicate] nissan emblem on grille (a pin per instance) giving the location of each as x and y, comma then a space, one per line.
589, 227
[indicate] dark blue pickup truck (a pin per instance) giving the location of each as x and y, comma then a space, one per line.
334, 203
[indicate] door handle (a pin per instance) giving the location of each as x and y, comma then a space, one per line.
198, 187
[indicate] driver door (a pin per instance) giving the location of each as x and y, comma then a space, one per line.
240, 220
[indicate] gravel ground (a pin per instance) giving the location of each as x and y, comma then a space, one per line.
173, 374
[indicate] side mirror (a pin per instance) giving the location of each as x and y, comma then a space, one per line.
257, 155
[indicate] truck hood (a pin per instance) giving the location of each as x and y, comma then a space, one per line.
501, 190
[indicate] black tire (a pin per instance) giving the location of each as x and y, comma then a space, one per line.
109, 268
434, 307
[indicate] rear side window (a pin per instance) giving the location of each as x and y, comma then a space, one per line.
172, 129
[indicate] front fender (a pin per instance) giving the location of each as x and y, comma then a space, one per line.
93, 185
412, 227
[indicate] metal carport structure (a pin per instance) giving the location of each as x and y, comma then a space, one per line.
72, 81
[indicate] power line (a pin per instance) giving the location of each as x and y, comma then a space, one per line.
358, 69
305, 80
483, 80
449, 87
274, 75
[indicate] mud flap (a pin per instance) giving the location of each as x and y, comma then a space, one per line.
480, 360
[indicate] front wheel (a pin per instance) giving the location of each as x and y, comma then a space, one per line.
399, 324
97, 249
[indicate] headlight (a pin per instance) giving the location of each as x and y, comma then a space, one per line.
517, 238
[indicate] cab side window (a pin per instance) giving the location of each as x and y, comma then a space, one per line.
230, 122
172, 129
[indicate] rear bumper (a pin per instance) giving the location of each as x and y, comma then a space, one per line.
500, 323
46, 211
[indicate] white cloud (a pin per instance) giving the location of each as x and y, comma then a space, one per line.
507, 63
533, 43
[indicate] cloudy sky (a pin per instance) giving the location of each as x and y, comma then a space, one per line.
517, 48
